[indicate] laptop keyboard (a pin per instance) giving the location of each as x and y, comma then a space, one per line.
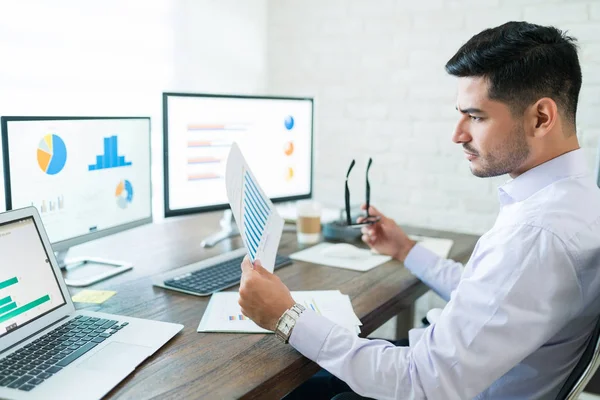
31, 365
217, 277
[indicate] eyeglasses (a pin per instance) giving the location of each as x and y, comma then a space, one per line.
368, 219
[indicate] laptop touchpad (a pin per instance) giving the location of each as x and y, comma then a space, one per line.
117, 356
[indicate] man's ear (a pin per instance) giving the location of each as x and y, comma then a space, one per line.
541, 117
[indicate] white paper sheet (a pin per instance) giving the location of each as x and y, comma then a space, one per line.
332, 304
258, 221
441, 247
356, 260
223, 312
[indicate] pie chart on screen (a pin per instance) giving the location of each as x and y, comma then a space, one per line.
289, 174
288, 148
124, 193
52, 154
289, 122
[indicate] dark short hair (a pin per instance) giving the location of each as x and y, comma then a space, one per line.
523, 62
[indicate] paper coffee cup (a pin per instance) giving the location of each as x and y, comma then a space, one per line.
308, 222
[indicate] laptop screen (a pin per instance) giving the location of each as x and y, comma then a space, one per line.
28, 286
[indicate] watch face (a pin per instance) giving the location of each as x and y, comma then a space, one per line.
286, 324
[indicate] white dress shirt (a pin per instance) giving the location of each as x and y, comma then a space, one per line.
519, 313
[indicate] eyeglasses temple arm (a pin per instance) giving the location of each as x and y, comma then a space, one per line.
368, 191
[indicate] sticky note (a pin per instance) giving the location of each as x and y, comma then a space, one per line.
93, 296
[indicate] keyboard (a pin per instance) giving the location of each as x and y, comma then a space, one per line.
219, 276
37, 362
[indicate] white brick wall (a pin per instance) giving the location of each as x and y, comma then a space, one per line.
376, 70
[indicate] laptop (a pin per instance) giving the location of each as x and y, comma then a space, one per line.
49, 350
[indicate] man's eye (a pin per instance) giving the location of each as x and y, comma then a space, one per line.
474, 118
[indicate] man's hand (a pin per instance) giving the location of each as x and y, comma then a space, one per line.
385, 236
263, 297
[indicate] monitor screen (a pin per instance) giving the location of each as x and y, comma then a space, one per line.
88, 177
274, 134
28, 286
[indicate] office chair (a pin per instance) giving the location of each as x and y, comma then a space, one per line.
585, 368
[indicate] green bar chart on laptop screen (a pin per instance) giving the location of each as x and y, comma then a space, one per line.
24, 308
5, 300
8, 282
8, 307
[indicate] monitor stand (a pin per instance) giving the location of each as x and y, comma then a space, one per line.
98, 268
229, 229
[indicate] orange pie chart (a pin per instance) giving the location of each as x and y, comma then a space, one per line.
289, 148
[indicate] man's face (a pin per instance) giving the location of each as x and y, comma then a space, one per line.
493, 141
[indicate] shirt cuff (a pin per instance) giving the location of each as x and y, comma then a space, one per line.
309, 333
420, 259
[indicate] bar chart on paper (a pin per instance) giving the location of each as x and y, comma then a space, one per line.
223, 314
238, 317
255, 212
258, 221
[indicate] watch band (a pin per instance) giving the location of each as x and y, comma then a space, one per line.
298, 309
287, 321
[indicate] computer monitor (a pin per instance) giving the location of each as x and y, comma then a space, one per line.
88, 177
2, 192
274, 133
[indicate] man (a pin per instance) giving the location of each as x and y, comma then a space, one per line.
520, 313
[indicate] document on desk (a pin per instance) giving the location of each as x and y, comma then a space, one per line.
258, 221
441, 247
356, 260
223, 312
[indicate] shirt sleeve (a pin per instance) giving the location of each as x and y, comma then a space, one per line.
441, 275
479, 336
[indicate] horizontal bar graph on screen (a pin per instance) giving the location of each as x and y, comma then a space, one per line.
111, 157
239, 317
208, 143
8, 282
255, 214
217, 127
204, 160
204, 177
18, 311
8, 307
5, 300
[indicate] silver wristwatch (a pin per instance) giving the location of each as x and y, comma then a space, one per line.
286, 323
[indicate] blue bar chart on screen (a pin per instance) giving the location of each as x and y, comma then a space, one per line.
257, 219
111, 157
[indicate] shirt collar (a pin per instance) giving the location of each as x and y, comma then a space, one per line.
566, 165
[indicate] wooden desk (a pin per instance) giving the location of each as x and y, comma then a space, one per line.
199, 365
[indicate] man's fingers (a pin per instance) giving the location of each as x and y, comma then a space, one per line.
372, 210
368, 239
259, 268
368, 230
246, 264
